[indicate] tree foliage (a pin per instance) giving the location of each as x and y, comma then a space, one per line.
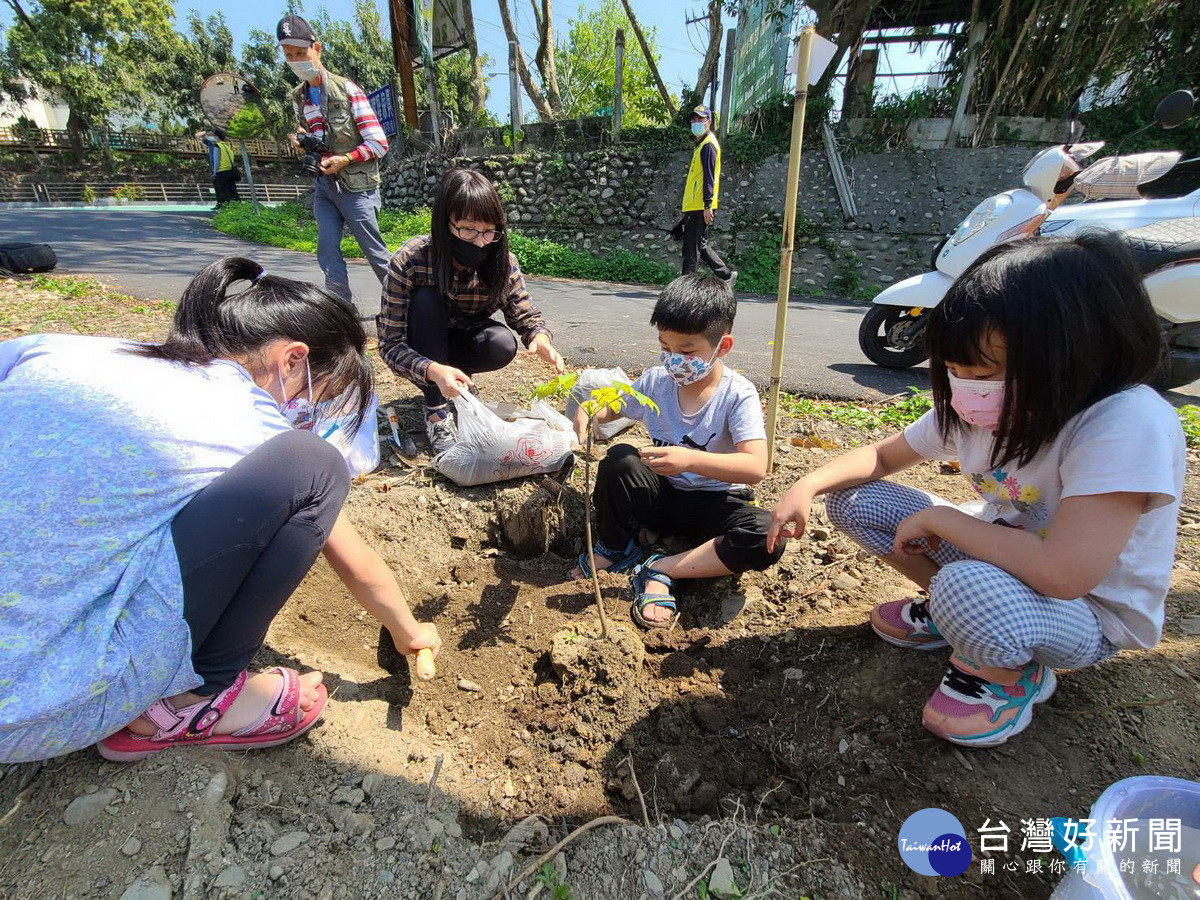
1040, 55
457, 90
360, 50
261, 63
182, 62
90, 53
587, 67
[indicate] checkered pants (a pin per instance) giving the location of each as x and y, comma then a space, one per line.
987, 615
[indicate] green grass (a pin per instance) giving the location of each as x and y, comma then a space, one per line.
1189, 418
864, 416
901, 412
292, 227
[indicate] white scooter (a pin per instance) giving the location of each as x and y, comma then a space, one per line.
1160, 224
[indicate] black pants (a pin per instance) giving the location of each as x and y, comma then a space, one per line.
628, 495
695, 246
246, 541
225, 186
482, 345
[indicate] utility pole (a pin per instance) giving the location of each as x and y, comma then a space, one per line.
619, 85
514, 93
431, 90
727, 85
401, 32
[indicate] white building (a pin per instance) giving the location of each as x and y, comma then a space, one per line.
44, 110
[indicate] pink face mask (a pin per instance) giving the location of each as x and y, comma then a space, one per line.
977, 403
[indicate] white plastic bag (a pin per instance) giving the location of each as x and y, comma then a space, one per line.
335, 424
593, 379
359, 447
489, 449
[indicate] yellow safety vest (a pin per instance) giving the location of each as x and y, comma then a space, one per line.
693, 192
224, 156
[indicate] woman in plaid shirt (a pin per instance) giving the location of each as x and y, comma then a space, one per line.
442, 289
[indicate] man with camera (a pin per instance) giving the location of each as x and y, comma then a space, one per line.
342, 143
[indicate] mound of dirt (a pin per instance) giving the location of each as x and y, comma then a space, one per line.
771, 736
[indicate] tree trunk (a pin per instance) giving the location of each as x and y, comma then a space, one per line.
531, 88
545, 57
478, 82
76, 126
650, 62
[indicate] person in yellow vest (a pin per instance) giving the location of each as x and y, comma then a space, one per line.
225, 175
700, 196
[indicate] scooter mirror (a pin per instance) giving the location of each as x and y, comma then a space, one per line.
1174, 109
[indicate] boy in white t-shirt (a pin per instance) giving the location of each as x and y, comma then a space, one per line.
710, 444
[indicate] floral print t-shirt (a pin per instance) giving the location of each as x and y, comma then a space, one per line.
99, 450
1129, 442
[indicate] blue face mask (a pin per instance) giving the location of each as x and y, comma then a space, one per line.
687, 368
698, 128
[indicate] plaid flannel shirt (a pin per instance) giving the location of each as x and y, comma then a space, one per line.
412, 268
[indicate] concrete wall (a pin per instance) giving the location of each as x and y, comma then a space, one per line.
611, 198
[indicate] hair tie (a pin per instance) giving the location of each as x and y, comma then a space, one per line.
262, 273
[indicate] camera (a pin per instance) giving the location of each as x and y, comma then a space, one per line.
313, 147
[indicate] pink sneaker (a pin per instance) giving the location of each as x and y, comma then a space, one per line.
978, 706
906, 623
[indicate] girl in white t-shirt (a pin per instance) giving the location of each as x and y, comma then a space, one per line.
1040, 359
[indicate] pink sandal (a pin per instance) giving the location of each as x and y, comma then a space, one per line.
193, 725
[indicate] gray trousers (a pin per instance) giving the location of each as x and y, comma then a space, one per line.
333, 207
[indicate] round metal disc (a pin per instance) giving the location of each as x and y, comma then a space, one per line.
223, 95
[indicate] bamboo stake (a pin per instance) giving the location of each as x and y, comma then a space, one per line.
789, 237
587, 521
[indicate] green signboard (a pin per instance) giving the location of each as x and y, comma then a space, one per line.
760, 60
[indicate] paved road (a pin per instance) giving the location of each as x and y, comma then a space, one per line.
154, 254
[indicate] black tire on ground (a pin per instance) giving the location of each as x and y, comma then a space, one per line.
878, 333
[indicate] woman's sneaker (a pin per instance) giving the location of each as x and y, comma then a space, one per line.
442, 432
906, 623
978, 706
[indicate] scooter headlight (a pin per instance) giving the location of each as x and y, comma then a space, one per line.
979, 218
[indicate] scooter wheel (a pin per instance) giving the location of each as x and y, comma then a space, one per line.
891, 336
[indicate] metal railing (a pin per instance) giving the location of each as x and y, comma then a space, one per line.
139, 192
53, 140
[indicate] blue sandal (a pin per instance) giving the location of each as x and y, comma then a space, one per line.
641, 575
619, 562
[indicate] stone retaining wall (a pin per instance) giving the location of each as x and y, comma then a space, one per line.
613, 198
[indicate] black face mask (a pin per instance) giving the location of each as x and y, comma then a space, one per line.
467, 254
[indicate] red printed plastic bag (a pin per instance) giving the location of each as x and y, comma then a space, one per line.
490, 449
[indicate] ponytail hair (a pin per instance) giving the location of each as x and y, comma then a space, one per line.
213, 322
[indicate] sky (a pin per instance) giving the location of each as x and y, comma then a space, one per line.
680, 45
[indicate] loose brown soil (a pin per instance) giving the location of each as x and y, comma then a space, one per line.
789, 717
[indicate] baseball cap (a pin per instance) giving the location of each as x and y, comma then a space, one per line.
702, 111
293, 31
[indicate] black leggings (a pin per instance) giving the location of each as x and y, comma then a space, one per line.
246, 541
480, 345
628, 494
